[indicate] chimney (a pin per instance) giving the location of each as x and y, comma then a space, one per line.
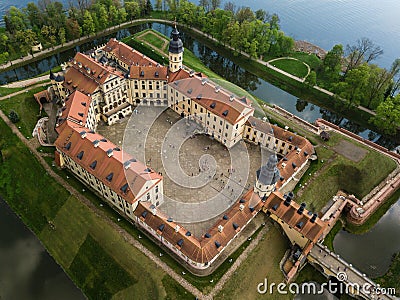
96, 143
177, 228
110, 152
83, 134
220, 228
231, 97
287, 200
313, 218
301, 208
241, 207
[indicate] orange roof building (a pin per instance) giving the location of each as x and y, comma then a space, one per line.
108, 83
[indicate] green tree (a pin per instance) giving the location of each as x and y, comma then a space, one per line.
13, 116
311, 79
34, 15
245, 14
353, 88
364, 51
15, 20
25, 40
378, 82
49, 33
332, 63
3, 42
88, 24
132, 9
73, 29
388, 115
61, 36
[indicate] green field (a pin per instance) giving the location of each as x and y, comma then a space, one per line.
310, 59
154, 39
26, 107
4, 91
291, 66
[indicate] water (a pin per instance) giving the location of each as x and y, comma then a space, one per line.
371, 252
27, 270
330, 22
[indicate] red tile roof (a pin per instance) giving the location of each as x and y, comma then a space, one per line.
76, 108
289, 214
148, 72
85, 74
70, 142
211, 96
296, 157
202, 249
127, 54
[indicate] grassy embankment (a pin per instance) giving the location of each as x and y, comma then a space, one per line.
336, 172
91, 252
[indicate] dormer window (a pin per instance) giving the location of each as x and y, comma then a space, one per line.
110, 177
80, 155
225, 113
68, 146
124, 188
93, 165
212, 105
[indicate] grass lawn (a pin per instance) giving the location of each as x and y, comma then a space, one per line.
4, 91
100, 275
26, 107
337, 172
25, 185
91, 252
310, 59
294, 67
262, 262
153, 39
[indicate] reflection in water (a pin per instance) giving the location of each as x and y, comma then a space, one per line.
371, 252
27, 270
301, 105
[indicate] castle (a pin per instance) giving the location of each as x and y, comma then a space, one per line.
108, 84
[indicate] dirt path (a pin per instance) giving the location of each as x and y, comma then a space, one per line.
24, 91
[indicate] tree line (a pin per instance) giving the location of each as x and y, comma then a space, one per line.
351, 74
50, 23
256, 33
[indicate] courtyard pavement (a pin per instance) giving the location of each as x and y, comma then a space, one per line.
202, 178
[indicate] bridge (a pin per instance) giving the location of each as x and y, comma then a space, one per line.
358, 284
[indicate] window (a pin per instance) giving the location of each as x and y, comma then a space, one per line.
227, 126
156, 188
215, 119
148, 196
220, 122
195, 106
